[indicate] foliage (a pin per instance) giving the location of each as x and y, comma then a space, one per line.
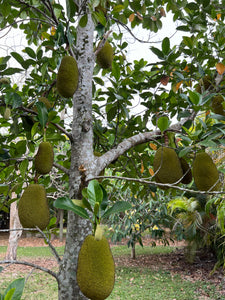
14, 290
164, 87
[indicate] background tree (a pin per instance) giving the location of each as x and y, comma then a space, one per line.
102, 115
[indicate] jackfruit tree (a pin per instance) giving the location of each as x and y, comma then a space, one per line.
144, 101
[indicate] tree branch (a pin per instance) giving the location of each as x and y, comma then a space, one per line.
2, 262
149, 182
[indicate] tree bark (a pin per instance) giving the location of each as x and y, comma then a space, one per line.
81, 156
14, 235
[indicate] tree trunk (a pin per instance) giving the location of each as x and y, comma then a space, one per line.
133, 254
81, 157
61, 214
13, 235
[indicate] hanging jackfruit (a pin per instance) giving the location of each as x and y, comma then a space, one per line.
205, 173
7, 113
166, 165
105, 56
187, 174
205, 82
67, 78
33, 208
217, 106
95, 268
45, 101
44, 158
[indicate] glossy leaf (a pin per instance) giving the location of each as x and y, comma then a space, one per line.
67, 204
119, 206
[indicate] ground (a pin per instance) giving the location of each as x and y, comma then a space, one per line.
173, 262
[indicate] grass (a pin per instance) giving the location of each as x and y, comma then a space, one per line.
131, 282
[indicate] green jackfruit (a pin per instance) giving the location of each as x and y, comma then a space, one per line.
44, 158
186, 171
7, 113
33, 207
45, 101
166, 165
205, 82
68, 76
95, 268
217, 106
105, 56
205, 173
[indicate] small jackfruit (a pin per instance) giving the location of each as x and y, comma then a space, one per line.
166, 165
205, 82
95, 268
205, 173
4, 80
44, 158
68, 76
33, 208
217, 106
7, 113
187, 174
104, 57
45, 101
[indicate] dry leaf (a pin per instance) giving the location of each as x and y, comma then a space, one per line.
131, 17
142, 167
162, 12
218, 16
178, 85
151, 172
164, 79
220, 68
153, 146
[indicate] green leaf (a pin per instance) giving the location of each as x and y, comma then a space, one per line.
42, 113
99, 81
23, 167
118, 207
71, 8
67, 204
157, 52
116, 70
118, 8
163, 123
166, 45
17, 57
9, 294
94, 192
194, 97
18, 286
34, 129
96, 208
1, 269
100, 17
11, 71
83, 21
30, 52
16, 100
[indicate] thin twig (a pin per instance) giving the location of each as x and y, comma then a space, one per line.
55, 253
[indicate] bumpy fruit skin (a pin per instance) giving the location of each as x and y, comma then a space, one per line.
44, 158
95, 269
166, 165
206, 81
205, 173
33, 207
186, 171
105, 56
45, 101
67, 78
7, 113
217, 106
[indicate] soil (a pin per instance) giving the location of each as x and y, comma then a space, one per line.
173, 262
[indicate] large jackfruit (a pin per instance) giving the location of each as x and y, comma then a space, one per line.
166, 165
96, 268
104, 57
68, 76
217, 105
205, 173
33, 208
187, 174
44, 158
